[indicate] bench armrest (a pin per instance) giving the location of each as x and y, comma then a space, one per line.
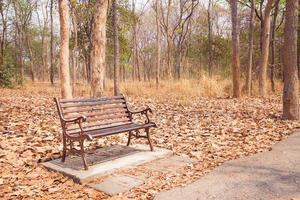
78, 121
143, 112
75, 120
147, 109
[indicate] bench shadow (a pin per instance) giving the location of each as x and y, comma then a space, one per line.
97, 156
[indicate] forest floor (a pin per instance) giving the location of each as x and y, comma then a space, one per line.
210, 130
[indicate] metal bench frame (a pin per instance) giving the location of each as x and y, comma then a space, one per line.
84, 134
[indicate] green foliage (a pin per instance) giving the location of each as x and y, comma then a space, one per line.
126, 21
221, 52
7, 76
8, 73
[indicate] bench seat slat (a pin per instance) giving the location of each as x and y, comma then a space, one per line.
97, 113
100, 124
114, 130
114, 116
87, 129
94, 108
62, 101
95, 103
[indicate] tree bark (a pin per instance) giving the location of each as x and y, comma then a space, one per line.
273, 46
235, 50
298, 46
261, 3
51, 45
116, 48
134, 43
169, 40
75, 48
250, 53
98, 48
265, 49
66, 90
209, 38
3, 34
158, 48
291, 85
31, 56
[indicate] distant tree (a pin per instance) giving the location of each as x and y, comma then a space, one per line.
273, 45
180, 31
250, 50
116, 48
209, 22
298, 43
166, 26
291, 83
136, 72
51, 44
158, 36
75, 46
66, 90
235, 49
22, 18
98, 48
4, 7
264, 59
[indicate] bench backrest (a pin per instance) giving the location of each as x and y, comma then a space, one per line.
100, 112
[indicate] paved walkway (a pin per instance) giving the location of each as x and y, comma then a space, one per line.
265, 176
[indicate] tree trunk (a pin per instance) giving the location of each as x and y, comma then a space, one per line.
273, 47
235, 50
158, 50
19, 52
51, 45
291, 86
98, 49
138, 71
169, 41
298, 42
116, 48
209, 38
169, 57
265, 49
177, 63
261, 3
250, 53
66, 90
31, 56
75, 48
134, 43
3, 34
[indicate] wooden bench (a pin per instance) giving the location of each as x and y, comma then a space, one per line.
90, 118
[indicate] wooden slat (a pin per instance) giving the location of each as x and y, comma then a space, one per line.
121, 129
116, 129
73, 110
107, 117
107, 122
87, 129
89, 99
96, 113
81, 104
100, 124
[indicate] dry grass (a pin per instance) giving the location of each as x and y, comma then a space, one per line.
182, 90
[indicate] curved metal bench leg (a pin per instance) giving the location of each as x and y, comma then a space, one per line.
148, 137
129, 137
63, 158
83, 155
